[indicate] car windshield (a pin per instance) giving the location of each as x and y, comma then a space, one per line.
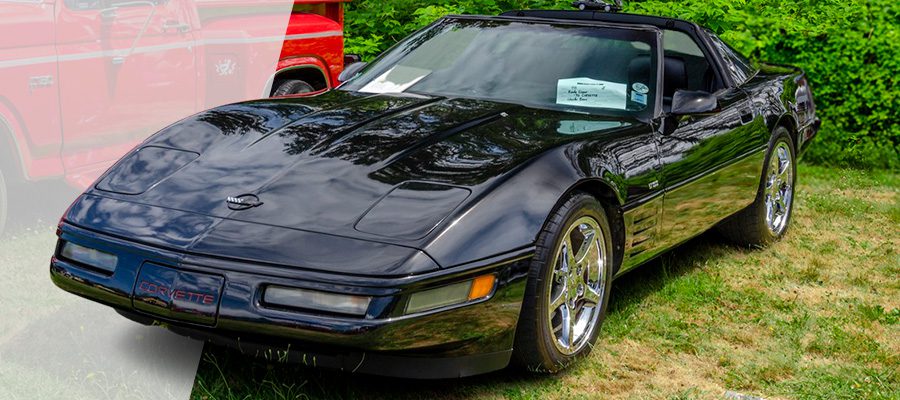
581, 68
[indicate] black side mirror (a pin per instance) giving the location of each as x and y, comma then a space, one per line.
351, 70
351, 59
686, 102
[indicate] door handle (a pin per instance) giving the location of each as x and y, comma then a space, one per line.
109, 14
178, 26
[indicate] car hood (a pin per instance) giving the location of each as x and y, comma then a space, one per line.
382, 168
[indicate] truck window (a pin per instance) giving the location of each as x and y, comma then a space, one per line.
79, 5
84, 4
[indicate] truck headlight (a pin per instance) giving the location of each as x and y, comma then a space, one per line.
316, 300
453, 294
89, 257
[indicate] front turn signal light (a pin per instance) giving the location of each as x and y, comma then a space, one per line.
482, 287
451, 295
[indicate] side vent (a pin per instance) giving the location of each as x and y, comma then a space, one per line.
642, 232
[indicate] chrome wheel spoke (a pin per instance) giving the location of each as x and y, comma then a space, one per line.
565, 334
561, 272
573, 318
560, 299
592, 261
785, 174
592, 296
584, 250
569, 256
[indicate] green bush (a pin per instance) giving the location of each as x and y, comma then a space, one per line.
850, 50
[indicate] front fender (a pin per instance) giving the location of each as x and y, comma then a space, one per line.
511, 214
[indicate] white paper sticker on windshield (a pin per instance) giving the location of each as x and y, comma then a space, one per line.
586, 92
396, 80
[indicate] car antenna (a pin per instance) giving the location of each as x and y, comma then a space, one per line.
598, 5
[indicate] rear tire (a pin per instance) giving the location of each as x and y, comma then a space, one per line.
767, 219
293, 87
568, 287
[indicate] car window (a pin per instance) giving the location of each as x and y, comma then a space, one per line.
738, 66
569, 67
680, 42
679, 47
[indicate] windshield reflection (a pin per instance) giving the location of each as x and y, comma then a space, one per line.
587, 69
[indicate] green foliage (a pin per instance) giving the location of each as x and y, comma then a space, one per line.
850, 50
373, 26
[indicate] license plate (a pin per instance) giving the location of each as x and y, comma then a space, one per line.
178, 295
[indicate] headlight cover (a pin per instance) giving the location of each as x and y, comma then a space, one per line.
90, 257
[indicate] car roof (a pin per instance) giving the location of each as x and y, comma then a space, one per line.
552, 20
619, 18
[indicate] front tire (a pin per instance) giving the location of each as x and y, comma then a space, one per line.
568, 287
767, 219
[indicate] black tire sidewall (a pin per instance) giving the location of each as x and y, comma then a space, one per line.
290, 87
577, 206
780, 135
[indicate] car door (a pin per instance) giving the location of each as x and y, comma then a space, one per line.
710, 163
126, 68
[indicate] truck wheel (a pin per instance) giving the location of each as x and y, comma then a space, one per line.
291, 87
767, 219
568, 287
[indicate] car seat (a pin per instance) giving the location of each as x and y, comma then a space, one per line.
674, 76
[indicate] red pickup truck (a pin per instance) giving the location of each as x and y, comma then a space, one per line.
84, 81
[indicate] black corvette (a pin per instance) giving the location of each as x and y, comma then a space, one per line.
464, 201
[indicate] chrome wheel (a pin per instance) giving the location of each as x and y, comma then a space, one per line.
577, 285
779, 189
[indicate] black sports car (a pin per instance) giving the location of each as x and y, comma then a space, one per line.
464, 201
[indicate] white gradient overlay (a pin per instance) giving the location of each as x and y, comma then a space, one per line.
81, 83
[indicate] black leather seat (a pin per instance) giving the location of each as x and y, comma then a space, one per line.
674, 76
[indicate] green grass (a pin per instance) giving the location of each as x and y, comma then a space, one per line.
814, 316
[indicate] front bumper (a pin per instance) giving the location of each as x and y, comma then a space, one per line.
450, 342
